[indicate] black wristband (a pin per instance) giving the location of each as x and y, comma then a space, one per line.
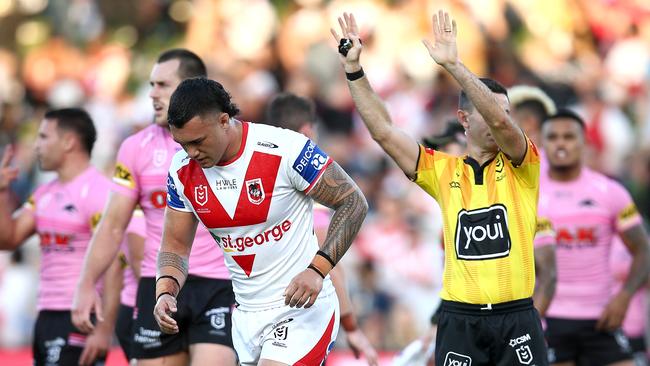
324, 255
164, 293
352, 76
170, 277
313, 267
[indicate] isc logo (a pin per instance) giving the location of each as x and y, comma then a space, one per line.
456, 359
483, 233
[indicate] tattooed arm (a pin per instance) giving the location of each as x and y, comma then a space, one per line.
336, 190
178, 235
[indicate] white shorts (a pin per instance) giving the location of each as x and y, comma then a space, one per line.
294, 336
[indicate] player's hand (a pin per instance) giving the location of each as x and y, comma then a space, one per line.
7, 173
303, 289
85, 300
97, 345
444, 51
614, 313
349, 30
359, 344
163, 311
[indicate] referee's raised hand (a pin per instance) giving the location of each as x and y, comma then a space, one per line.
350, 31
444, 50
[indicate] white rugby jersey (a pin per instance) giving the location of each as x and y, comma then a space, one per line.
256, 208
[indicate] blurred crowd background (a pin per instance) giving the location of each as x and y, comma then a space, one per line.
590, 55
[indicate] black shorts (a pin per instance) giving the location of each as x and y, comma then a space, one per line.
579, 341
124, 329
502, 334
57, 341
204, 316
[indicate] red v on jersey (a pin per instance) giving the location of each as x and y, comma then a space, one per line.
252, 206
245, 262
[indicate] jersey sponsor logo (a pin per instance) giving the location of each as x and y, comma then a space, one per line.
95, 219
159, 157
519, 340
579, 237
524, 355
262, 165
628, 212
70, 208
225, 184
310, 162
270, 145
201, 194
55, 242
255, 191
587, 202
158, 199
123, 176
483, 233
456, 359
173, 198
454, 184
230, 244
544, 225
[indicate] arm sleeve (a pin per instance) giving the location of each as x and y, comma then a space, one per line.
528, 170
306, 163
623, 208
544, 233
427, 170
175, 197
125, 175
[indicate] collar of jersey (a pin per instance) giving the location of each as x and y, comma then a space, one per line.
244, 136
477, 168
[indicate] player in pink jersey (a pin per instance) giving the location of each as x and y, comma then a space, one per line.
63, 213
530, 107
253, 187
298, 114
587, 210
140, 178
131, 252
637, 313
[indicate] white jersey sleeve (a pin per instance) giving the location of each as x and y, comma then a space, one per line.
307, 162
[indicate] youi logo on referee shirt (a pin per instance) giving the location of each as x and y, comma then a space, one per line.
456, 359
483, 233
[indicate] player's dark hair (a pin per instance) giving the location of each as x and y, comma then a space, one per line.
191, 65
198, 97
535, 108
564, 113
465, 104
290, 111
77, 121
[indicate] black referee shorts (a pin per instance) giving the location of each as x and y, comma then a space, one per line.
503, 334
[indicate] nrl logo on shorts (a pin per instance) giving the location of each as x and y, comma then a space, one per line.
201, 194
255, 191
218, 317
159, 157
280, 333
524, 355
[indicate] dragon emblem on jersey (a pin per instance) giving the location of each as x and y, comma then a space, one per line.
255, 191
201, 194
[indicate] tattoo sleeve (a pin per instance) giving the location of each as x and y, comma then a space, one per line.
169, 259
338, 191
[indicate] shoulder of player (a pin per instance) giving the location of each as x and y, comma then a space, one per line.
140, 139
179, 159
271, 139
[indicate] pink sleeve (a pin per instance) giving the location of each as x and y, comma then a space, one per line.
321, 216
124, 178
30, 204
544, 234
622, 207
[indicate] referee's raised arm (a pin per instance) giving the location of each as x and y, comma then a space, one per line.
402, 148
507, 135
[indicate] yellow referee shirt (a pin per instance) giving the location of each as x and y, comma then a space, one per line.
489, 215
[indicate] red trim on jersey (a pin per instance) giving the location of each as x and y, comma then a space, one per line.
245, 262
329, 161
262, 166
244, 136
317, 354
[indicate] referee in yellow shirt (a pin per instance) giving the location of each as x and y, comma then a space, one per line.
489, 204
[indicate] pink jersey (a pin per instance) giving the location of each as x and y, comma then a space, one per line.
65, 216
635, 318
130, 288
586, 214
257, 209
141, 173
